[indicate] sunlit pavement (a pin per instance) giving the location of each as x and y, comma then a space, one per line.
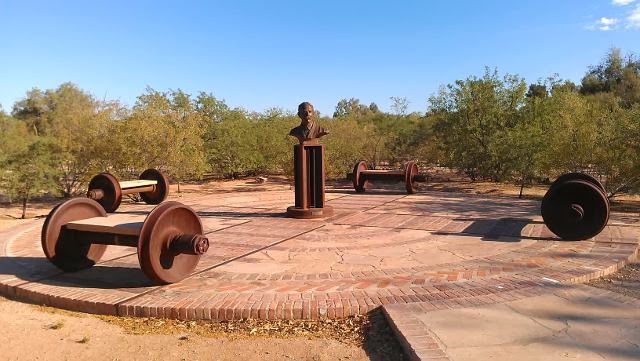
460, 276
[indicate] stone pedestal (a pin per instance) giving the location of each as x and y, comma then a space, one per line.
308, 159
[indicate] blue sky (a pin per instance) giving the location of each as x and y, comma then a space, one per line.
262, 54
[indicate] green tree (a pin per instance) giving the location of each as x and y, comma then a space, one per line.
187, 158
470, 117
274, 145
523, 146
425, 142
352, 108
394, 137
604, 76
615, 74
12, 142
232, 150
347, 142
211, 108
105, 140
628, 89
68, 116
573, 133
399, 105
165, 130
31, 110
13, 137
616, 159
31, 172
537, 91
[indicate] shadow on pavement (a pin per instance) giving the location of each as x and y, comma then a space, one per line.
498, 230
380, 343
31, 269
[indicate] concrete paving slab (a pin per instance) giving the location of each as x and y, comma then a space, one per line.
569, 322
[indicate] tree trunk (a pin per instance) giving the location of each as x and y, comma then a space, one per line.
178, 186
24, 207
521, 189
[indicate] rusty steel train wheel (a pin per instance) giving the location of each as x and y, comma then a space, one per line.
111, 191
411, 171
571, 176
359, 183
63, 251
575, 209
161, 189
158, 261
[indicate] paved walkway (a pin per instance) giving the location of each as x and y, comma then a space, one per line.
427, 258
565, 322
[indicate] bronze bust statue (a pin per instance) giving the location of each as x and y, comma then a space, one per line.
308, 129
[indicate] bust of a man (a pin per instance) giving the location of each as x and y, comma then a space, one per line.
308, 129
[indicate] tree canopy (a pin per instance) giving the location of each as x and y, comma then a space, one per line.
493, 126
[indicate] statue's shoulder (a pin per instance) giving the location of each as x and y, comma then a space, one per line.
317, 130
295, 130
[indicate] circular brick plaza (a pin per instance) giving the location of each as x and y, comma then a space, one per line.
430, 250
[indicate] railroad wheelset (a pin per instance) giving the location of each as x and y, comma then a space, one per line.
169, 242
575, 207
409, 176
153, 187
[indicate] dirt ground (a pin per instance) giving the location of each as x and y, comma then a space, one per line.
38, 333
32, 332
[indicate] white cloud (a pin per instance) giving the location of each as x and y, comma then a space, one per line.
621, 2
633, 20
630, 19
607, 21
604, 24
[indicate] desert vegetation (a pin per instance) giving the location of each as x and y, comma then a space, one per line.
490, 126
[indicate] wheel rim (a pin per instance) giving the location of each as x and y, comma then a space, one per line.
411, 171
359, 184
577, 176
157, 260
563, 203
161, 189
112, 193
62, 251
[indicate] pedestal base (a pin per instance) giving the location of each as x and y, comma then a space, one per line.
309, 213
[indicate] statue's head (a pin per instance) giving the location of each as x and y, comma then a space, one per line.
305, 112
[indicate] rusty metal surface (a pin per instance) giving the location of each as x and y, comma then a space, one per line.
309, 213
420, 178
571, 176
169, 244
309, 173
359, 183
159, 261
316, 175
140, 189
59, 245
105, 189
411, 171
575, 208
300, 177
160, 190
195, 244
362, 176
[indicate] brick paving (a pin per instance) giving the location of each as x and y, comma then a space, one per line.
425, 251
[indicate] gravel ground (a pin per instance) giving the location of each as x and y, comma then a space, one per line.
626, 281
